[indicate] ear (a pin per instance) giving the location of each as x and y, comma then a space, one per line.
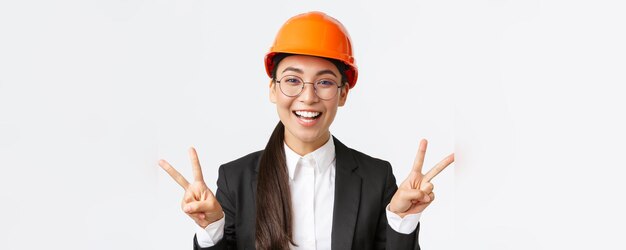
343, 95
273, 91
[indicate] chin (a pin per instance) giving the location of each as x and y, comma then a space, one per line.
305, 135
308, 137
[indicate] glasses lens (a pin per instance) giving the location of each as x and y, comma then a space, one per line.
326, 88
291, 85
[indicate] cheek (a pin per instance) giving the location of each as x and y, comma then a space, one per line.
331, 111
283, 105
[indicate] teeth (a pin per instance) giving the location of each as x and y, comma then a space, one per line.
307, 114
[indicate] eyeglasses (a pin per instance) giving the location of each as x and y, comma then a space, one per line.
293, 86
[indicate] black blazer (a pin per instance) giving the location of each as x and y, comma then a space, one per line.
363, 187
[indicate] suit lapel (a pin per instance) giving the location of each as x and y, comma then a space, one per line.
347, 198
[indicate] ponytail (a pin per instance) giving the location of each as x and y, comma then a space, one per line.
274, 226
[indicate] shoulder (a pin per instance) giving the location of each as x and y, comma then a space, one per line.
366, 159
370, 164
241, 165
367, 165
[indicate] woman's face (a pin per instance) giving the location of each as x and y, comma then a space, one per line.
294, 112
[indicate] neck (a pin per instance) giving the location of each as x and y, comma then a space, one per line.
301, 147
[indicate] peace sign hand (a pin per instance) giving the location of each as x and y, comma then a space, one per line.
416, 192
198, 202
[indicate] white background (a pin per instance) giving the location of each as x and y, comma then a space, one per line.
528, 94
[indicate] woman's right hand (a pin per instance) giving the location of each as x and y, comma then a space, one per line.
199, 202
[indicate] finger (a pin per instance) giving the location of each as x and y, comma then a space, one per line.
412, 181
189, 196
427, 187
412, 194
428, 198
174, 174
419, 158
195, 162
197, 207
438, 168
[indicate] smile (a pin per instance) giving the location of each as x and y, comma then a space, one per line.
307, 118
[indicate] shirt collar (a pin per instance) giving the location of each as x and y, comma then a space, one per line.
323, 157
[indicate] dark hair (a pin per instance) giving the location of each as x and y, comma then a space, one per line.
341, 67
274, 225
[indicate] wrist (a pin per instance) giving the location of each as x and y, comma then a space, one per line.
215, 217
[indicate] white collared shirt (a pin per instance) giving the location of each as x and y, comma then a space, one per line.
312, 183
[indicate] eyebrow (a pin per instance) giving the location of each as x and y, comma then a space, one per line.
319, 73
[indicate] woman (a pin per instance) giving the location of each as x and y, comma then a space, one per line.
306, 189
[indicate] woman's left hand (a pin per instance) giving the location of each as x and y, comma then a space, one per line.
416, 191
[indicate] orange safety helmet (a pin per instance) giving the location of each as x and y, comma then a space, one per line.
314, 34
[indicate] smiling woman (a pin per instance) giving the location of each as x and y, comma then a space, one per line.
307, 112
306, 189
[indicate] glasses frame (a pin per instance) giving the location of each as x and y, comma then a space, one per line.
339, 85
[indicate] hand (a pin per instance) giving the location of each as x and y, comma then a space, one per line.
416, 192
198, 202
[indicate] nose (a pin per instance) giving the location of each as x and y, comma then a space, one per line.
308, 94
